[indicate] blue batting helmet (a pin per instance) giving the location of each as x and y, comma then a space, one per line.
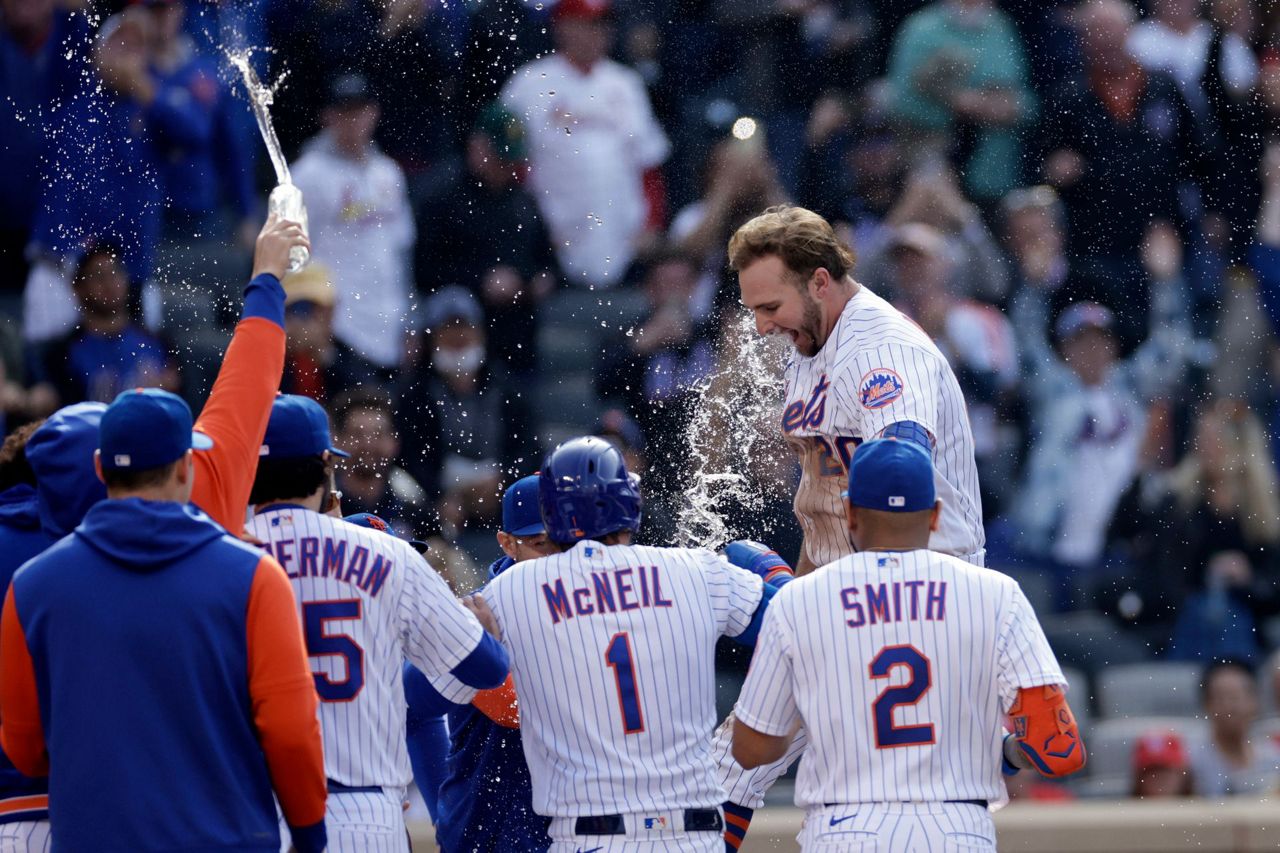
585, 491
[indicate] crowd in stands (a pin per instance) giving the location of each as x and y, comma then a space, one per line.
519, 213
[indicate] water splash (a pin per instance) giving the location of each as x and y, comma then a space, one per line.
740, 463
261, 97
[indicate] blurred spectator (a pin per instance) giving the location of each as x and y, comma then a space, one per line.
1264, 256
740, 181
594, 146
1118, 149
932, 197
317, 365
1035, 234
361, 223
107, 352
42, 54
482, 230
959, 87
978, 342
371, 481
1230, 761
1160, 766
625, 434
463, 424
1088, 410
1177, 40
105, 175
202, 157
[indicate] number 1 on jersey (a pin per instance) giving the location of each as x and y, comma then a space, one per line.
617, 655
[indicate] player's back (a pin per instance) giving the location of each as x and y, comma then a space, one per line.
904, 664
353, 587
612, 649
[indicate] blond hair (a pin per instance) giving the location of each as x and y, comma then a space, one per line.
800, 238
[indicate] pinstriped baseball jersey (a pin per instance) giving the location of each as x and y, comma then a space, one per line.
901, 666
612, 649
877, 368
368, 601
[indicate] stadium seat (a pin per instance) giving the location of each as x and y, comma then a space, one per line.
1148, 689
1079, 695
1110, 744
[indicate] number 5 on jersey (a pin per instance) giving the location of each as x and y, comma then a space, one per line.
321, 642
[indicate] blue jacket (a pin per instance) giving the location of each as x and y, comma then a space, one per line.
485, 802
137, 631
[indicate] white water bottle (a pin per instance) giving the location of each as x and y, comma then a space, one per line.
285, 202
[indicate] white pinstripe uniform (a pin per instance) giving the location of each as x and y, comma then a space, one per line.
877, 368
901, 666
612, 650
368, 600
26, 836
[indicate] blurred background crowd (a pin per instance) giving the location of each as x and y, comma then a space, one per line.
519, 213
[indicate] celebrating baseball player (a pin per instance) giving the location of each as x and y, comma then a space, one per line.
612, 648
368, 601
860, 370
901, 663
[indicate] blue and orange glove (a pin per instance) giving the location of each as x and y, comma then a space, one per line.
759, 559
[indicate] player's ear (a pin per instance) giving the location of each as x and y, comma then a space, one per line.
97, 465
936, 519
507, 543
850, 516
821, 281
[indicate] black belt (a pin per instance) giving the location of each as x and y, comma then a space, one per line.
982, 804
339, 788
695, 820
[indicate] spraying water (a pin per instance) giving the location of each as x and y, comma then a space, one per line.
285, 200
739, 459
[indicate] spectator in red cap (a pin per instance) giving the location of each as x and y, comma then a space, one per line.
1160, 767
594, 146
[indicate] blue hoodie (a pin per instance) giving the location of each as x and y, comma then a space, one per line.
60, 453
20, 539
136, 627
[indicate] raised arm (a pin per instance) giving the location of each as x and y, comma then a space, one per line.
236, 414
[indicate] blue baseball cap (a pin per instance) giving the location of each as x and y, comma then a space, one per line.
520, 513
147, 428
298, 427
374, 522
891, 476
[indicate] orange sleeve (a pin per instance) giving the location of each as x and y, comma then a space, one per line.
500, 704
1046, 730
284, 697
21, 731
235, 417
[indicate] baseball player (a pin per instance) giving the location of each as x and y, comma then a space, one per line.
612, 648
485, 798
901, 663
860, 370
367, 601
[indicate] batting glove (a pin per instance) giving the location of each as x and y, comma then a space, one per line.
758, 559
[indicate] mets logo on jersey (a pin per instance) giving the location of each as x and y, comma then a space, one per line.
879, 388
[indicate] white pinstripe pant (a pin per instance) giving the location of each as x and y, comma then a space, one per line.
898, 828
24, 836
748, 787
360, 822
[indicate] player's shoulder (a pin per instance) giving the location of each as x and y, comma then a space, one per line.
869, 323
990, 581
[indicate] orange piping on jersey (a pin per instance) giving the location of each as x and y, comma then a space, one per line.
21, 731
24, 804
235, 417
500, 704
284, 696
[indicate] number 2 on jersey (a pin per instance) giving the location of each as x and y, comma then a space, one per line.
888, 734
617, 656
322, 643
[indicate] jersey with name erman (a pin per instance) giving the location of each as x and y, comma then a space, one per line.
902, 666
877, 368
368, 601
613, 653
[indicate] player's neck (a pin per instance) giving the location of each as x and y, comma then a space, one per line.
839, 301
312, 503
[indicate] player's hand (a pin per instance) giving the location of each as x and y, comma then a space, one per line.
758, 559
480, 609
275, 240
